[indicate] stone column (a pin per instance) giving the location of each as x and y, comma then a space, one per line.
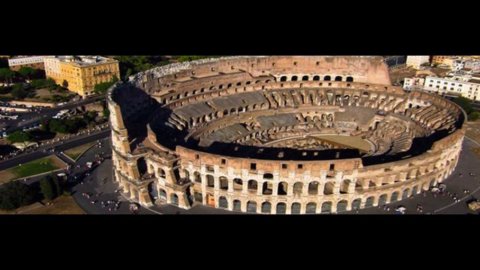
245, 187
259, 188
230, 185
275, 188
336, 188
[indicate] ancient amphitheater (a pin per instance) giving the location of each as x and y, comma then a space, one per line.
279, 135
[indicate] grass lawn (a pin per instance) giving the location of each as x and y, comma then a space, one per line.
75, 152
63, 205
38, 166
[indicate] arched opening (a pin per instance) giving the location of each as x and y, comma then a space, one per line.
223, 202
405, 194
268, 176
237, 184
152, 191
327, 207
210, 181
223, 183
267, 188
305, 78
281, 208
161, 173
328, 190
162, 194
266, 208
356, 204
297, 188
342, 206
237, 205
316, 78
369, 202
252, 186
349, 79
371, 184
251, 207
311, 208
382, 200
197, 196
394, 197
414, 190
283, 78
282, 188
294, 78
344, 186
296, 208
313, 188
338, 79
174, 199
327, 78
197, 177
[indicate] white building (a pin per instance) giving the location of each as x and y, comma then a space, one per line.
466, 86
413, 83
26, 61
416, 61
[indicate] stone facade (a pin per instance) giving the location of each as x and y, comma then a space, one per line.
274, 135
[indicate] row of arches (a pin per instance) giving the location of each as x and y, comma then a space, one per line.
295, 78
267, 207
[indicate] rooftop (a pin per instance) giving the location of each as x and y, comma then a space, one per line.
83, 60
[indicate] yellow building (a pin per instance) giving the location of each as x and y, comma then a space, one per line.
80, 74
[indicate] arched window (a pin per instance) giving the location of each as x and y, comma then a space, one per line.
342, 206
297, 188
349, 79
356, 204
316, 78
252, 185
268, 176
210, 181
266, 208
223, 183
237, 205
305, 78
251, 207
174, 199
267, 188
328, 189
369, 202
311, 208
223, 202
313, 188
327, 78
294, 78
281, 208
161, 173
282, 188
296, 208
338, 79
327, 207
237, 184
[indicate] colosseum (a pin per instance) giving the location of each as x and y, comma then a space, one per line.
279, 135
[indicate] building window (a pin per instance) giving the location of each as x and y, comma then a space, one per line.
284, 166
253, 166
300, 166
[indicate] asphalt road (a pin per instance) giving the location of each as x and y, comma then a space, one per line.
33, 118
60, 146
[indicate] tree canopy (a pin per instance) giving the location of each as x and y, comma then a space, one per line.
19, 136
15, 194
6, 75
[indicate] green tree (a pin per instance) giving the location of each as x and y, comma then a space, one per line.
6, 75
15, 194
47, 188
57, 126
465, 103
57, 184
19, 136
102, 88
27, 72
473, 116
65, 84
19, 91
